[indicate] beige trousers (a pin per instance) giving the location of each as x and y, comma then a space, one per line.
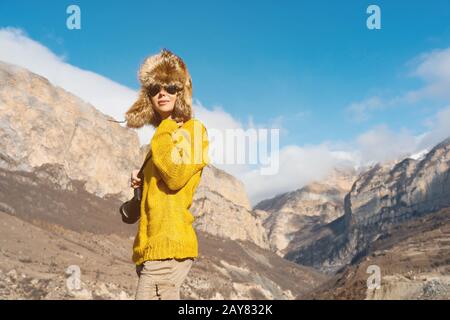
162, 279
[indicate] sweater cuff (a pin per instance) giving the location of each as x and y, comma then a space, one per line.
167, 125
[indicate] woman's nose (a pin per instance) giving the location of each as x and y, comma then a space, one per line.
162, 91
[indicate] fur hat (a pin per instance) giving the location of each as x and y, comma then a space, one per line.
162, 68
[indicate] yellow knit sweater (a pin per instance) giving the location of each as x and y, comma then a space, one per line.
178, 155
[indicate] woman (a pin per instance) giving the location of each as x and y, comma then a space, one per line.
166, 243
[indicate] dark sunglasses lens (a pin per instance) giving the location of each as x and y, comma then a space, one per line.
172, 89
154, 90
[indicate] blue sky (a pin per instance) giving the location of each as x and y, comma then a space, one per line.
300, 63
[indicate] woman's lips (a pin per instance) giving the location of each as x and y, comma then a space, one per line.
163, 102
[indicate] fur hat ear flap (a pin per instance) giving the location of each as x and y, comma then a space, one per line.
188, 92
140, 112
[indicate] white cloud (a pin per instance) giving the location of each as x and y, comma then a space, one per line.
298, 167
360, 111
432, 68
216, 118
382, 144
438, 129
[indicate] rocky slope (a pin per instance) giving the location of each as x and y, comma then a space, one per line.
42, 124
380, 198
304, 210
218, 214
414, 262
53, 229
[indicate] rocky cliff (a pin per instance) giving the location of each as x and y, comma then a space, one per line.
413, 258
41, 124
304, 210
220, 212
380, 198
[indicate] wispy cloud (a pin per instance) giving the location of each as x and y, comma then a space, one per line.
380, 143
298, 167
360, 111
432, 68
438, 129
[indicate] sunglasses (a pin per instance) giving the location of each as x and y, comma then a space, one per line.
170, 89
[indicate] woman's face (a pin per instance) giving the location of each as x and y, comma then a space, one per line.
164, 102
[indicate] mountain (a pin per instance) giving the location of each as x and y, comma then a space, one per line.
381, 198
393, 215
220, 213
302, 211
41, 124
414, 262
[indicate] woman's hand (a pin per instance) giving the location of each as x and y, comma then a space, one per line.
135, 181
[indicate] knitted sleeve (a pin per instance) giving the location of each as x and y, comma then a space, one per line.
179, 152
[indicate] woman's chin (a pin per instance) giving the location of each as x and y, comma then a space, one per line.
165, 113
165, 109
